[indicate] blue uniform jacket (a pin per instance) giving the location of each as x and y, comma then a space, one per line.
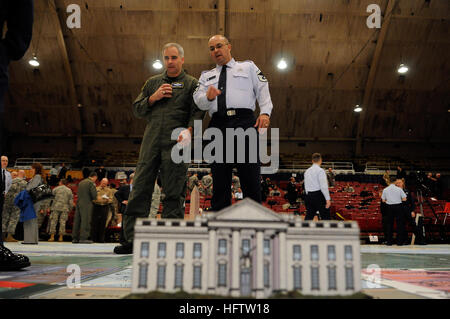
25, 203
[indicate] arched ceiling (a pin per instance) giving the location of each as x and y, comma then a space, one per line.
329, 49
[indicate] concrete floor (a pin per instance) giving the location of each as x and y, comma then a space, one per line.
406, 272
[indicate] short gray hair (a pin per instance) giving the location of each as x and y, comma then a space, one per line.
176, 45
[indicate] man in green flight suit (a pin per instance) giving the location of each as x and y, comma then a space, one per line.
166, 102
83, 212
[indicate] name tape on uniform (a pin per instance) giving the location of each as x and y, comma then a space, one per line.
177, 85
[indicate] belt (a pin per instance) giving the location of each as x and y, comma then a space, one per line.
235, 112
315, 192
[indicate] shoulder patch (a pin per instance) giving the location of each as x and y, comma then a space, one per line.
196, 88
261, 76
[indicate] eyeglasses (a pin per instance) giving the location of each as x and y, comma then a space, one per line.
218, 46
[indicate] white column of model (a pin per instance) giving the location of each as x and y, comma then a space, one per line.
282, 258
259, 264
212, 261
235, 267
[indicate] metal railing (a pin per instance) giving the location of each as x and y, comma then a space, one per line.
47, 163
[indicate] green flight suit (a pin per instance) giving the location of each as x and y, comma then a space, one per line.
83, 212
163, 117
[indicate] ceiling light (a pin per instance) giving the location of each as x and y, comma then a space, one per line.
282, 64
402, 69
157, 65
34, 62
358, 109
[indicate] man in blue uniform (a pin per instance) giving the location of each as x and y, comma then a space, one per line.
229, 92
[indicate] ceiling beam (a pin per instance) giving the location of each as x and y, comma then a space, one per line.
63, 50
56, 15
221, 17
372, 76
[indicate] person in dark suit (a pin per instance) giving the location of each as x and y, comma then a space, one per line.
62, 172
122, 198
292, 192
101, 172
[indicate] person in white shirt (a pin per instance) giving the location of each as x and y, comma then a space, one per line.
394, 197
229, 92
316, 189
6, 174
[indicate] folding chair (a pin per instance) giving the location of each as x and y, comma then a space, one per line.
446, 212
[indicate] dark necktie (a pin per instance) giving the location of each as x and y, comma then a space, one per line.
221, 101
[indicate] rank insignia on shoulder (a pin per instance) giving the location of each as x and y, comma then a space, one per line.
261, 76
177, 85
213, 77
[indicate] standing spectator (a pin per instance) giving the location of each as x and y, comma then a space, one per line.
53, 181
235, 182
113, 207
61, 206
11, 213
387, 179
6, 175
6, 184
101, 172
292, 193
401, 174
192, 182
122, 198
86, 171
394, 197
264, 189
331, 177
430, 182
409, 214
316, 188
31, 227
62, 171
100, 212
87, 193
207, 182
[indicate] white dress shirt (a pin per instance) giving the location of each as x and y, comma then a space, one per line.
245, 85
316, 180
8, 180
393, 195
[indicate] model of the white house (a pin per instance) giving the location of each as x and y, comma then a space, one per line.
246, 250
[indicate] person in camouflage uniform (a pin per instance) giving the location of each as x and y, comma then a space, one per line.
11, 213
236, 183
61, 206
192, 182
102, 204
207, 182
